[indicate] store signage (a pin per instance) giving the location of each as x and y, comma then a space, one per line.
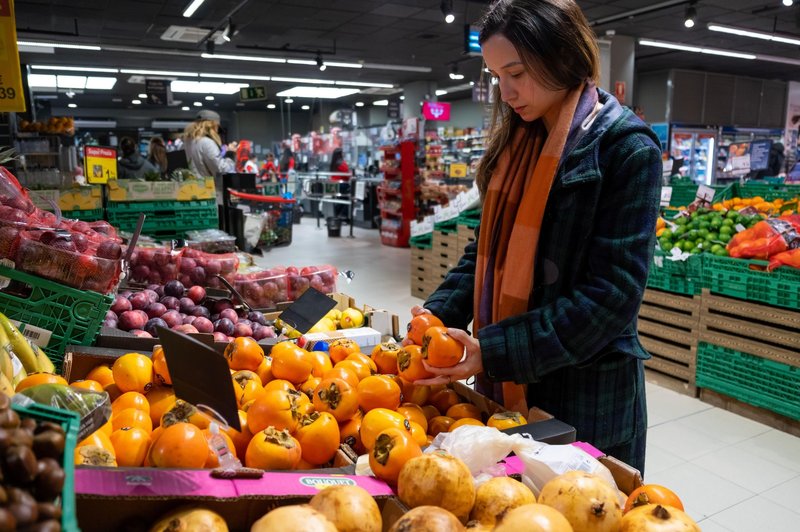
705, 193
12, 97
436, 111
472, 46
759, 154
158, 91
393, 109
99, 164
619, 91
458, 170
666, 194
425, 227
445, 213
253, 94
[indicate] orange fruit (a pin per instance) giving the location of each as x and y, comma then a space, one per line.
35, 379
466, 421
378, 391
244, 353
130, 446
212, 461
341, 348
320, 362
421, 323
101, 374
385, 357
359, 367
88, 384
347, 374
279, 384
181, 445
273, 449
264, 370
160, 366
409, 362
414, 414
161, 400
130, 400
290, 362
133, 372
131, 417
240, 438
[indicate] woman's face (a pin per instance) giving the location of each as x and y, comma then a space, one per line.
521, 91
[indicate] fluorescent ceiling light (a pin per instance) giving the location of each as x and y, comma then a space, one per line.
363, 84
405, 68
402, 98
305, 107
244, 58
169, 124
71, 82
159, 73
288, 100
191, 8
343, 65
205, 87
441, 92
303, 80
72, 105
209, 98
234, 76
301, 62
42, 81
271, 106
142, 95
329, 93
185, 108
715, 51
59, 45
359, 104
743, 32
95, 124
381, 103
100, 83
74, 68
198, 104
670, 46
136, 102
456, 76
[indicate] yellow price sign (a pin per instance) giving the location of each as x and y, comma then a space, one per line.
458, 170
100, 164
12, 98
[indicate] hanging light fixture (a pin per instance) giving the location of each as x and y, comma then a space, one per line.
691, 16
454, 74
230, 29
447, 10
320, 63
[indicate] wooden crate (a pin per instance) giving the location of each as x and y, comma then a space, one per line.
761, 415
760, 330
466, 235
669, 326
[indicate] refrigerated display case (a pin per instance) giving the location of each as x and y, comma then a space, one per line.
737, 135
697, 148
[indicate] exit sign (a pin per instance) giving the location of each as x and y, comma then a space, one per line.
253, 94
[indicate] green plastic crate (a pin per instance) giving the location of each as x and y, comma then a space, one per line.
69, 421
749, 280
685, 193
158, 207
86, 216
471, 218
769, 191
422, 241
73, 317
750, 379
679, 277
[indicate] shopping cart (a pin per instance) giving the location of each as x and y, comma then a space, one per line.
276, 213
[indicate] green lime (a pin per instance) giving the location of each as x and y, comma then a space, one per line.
732, 214
729, 222
713, 236
666, 245
687, 245
726, 230
683, 220
716, 224
693, 234
705, 224
725, 238
717, 247
703, 233
695, 251
720, 253
694, 215
666, 234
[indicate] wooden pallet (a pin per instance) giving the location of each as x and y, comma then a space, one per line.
668, 328
776, 421
466, 235
759, 330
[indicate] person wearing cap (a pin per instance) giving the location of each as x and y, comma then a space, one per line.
203, 147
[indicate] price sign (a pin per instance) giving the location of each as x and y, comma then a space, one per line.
666, 196
458, 170
448, 212
705, 193
472, 199
100, 164
12, 98
425, 227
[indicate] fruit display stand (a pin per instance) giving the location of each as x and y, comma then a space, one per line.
749, 280
669, 327
133, 190
165, 218
445, 253
422, 283
677, 276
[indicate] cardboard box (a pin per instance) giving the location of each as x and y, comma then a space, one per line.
122, 190
81, 198
116, 499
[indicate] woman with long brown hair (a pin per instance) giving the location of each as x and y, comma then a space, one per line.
203, 146
570, 188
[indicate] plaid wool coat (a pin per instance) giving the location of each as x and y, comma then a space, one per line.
577, 347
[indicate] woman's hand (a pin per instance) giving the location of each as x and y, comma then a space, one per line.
415, 311
471, 365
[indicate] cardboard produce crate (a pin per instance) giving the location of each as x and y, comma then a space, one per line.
466, 235
669, 327
123, 190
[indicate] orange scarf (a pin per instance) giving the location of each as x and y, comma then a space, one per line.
513, 210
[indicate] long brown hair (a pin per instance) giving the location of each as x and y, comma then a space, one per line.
157, 153
202, 128
557, 46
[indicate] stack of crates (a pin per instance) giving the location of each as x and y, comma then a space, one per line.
165, 219
421, 253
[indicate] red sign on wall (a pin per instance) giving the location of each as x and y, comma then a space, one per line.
436, 111
619, 91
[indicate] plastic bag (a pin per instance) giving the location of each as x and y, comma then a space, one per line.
93, 407
481, 448
766, 239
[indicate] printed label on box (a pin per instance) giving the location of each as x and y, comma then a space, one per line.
35, 335
666, 196
705, 193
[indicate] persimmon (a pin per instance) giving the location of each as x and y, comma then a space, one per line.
379, 419
183, 412
131, 417
652, 494
340, 348
181, 445
430, 412
273, 449
113, 391
101, 374
336, 397
419, 324
87, 384
35, 379
350, 433
133, 372
309, 386
246, 386
130, 400
160, 366
359, 367
320, 363
130, 446
439, 349
418, 434
378, 391
385, 357
290, 363
264, 370
107, 428
414, 413
393, 448
275, 408
93, 455
346, 374
444, 399
98, 438
506, 420
373, 368
440, 424
240, 438
160, 399
415, 393
318, 435
244, 353
462, 410
212, 460
409, 362
466, 421
279, 384
302, 402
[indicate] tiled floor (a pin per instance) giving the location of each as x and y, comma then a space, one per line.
733, 474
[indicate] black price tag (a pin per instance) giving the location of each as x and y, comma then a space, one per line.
307, 310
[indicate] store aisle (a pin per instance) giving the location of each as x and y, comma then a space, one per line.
733, 474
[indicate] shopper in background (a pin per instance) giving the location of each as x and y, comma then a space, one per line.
204, 148
132, 165
286, 163
157, 154
251, 164
570, 185
269, 170
342, 176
